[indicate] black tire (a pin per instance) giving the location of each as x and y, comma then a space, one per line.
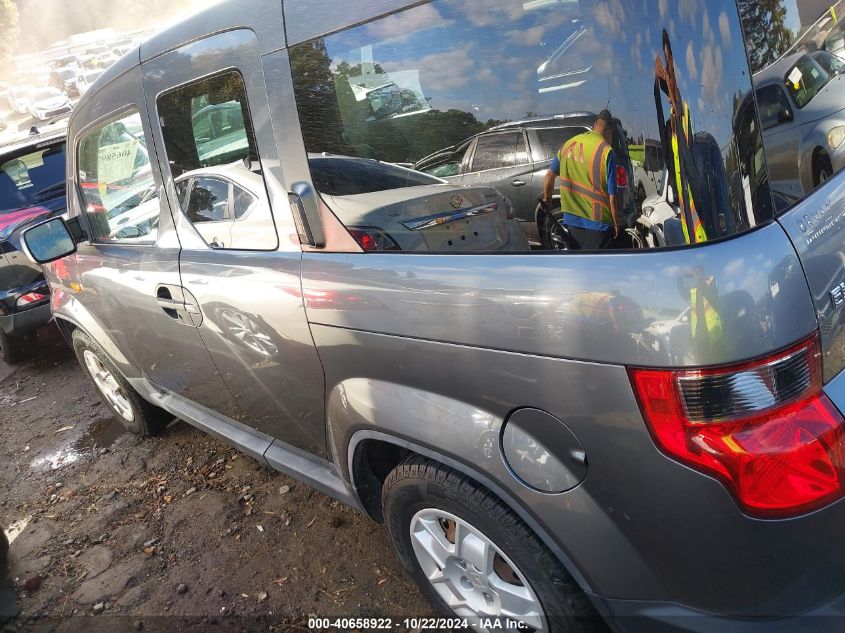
15, 348
419, 483
147, 418
553, 235
822, 169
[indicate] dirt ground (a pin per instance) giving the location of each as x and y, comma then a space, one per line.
178, 532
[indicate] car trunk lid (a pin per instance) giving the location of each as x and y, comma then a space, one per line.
433, 218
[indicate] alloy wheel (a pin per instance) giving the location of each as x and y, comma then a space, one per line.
471, 574
249, 333
108, 386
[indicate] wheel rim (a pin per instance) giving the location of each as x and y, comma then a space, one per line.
108, 386
823, 175
470, 573
557, 239
247, 332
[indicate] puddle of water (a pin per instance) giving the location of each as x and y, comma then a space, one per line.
99, 434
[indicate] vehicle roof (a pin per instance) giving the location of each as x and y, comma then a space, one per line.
556, 120
777, 69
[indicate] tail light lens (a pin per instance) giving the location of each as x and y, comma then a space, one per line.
372, 238
31, 298
764, 428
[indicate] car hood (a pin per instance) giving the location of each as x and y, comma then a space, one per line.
50, 103
829, 101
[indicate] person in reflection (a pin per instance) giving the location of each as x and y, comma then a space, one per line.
679, 130
587, 167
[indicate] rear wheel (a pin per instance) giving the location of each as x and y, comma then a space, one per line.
473, 557
15, 348
128, 407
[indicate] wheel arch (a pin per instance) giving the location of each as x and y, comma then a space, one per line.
367, 482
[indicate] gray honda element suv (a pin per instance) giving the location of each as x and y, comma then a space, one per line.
650, 437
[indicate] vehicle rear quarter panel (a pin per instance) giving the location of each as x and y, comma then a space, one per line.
438, 350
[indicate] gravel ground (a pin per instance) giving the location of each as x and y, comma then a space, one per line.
178, 532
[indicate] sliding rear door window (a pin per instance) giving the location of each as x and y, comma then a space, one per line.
411, 88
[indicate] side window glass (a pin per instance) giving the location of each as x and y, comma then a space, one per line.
410, 88
495, 150
209, 201
242, 201
795, 49
116, 182
208, 136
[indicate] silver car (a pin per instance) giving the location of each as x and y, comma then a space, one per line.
802, 111
649, 437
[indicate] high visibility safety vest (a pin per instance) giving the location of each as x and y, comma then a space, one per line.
583, 177
712, 320
685, 199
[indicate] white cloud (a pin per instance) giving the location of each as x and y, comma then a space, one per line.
725, 29
692, 68
398, 26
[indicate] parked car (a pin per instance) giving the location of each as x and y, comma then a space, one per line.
32, 188
19, 98
830, 62
64, 79
85, 78
514, 158
48, 103
803, 126
835, 41
653, 437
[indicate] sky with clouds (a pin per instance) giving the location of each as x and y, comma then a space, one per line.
502, 58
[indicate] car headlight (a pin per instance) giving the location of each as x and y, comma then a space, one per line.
836, 136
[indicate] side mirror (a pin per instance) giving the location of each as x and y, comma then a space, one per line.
48, 241
785, 116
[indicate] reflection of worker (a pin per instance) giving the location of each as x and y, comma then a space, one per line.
680, 130
586, 167
705, 320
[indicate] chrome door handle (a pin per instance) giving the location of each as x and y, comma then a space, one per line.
170, 304
518, 183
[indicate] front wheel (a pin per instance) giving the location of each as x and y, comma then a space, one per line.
822, 169
555, 237
128, 407
473, 558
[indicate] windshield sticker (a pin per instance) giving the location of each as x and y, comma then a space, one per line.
795, 76
116, 162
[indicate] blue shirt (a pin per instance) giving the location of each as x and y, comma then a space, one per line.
576, 220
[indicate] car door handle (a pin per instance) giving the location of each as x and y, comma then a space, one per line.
518, 183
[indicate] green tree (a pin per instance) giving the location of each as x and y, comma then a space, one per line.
9, 30
766, 35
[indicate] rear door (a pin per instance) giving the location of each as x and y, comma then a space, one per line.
244, 272
501, 160
129, 270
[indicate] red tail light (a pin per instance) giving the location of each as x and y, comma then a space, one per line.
31, 298
764, 428
372, 238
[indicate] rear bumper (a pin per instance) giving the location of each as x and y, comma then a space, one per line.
26, 320
656, 617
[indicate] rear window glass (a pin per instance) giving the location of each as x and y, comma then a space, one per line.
407, 87
795, 51
33, 177
347, 177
